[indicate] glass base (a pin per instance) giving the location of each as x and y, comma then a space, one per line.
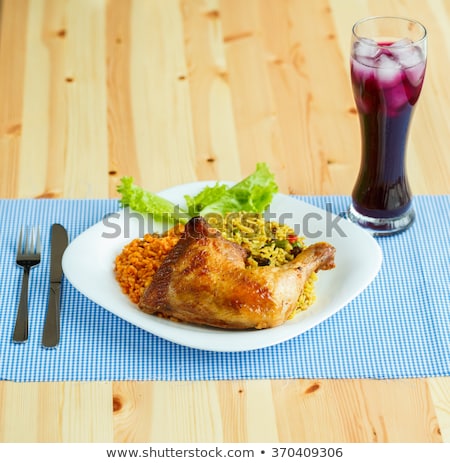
380, 226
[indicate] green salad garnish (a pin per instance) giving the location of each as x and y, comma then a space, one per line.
253, 194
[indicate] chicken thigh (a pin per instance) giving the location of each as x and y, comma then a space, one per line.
204, 280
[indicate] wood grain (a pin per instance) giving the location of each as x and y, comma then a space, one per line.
12, 34
173, 91
55, 412
275, 411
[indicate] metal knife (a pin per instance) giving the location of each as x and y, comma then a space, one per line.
59, 242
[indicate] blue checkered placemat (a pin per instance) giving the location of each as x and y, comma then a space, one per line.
399, 327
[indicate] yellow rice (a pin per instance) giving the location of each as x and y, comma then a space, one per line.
262, 240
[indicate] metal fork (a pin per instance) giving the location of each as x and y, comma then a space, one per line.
28, 255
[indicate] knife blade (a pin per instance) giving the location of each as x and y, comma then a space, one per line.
59, 242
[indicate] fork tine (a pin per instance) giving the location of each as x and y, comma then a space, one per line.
38, 241
32, 241
29, 241
19, 245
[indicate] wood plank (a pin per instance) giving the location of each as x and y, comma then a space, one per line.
319, 129
355, 411
55, 412
349, 411
86, 151
248, 411
440, 396
215, 138
257, 127
276, 411
13, 33
160, 99
34, 170
166, 412
121, 137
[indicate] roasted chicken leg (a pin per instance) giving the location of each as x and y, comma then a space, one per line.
203, 280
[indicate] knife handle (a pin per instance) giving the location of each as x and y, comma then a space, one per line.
50, 337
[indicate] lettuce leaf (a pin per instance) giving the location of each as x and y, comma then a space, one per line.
208, 195
144, 201
253, 194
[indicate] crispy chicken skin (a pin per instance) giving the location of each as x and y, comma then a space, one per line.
203, 280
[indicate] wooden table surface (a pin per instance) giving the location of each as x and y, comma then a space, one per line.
174, 91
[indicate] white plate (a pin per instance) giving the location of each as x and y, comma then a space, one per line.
89, 261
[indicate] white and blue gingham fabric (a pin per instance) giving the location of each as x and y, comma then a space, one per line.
399, 327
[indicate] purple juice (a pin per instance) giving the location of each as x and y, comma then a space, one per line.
387, 79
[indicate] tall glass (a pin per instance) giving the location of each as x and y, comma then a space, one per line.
388, 60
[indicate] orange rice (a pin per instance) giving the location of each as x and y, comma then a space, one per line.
140, 259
